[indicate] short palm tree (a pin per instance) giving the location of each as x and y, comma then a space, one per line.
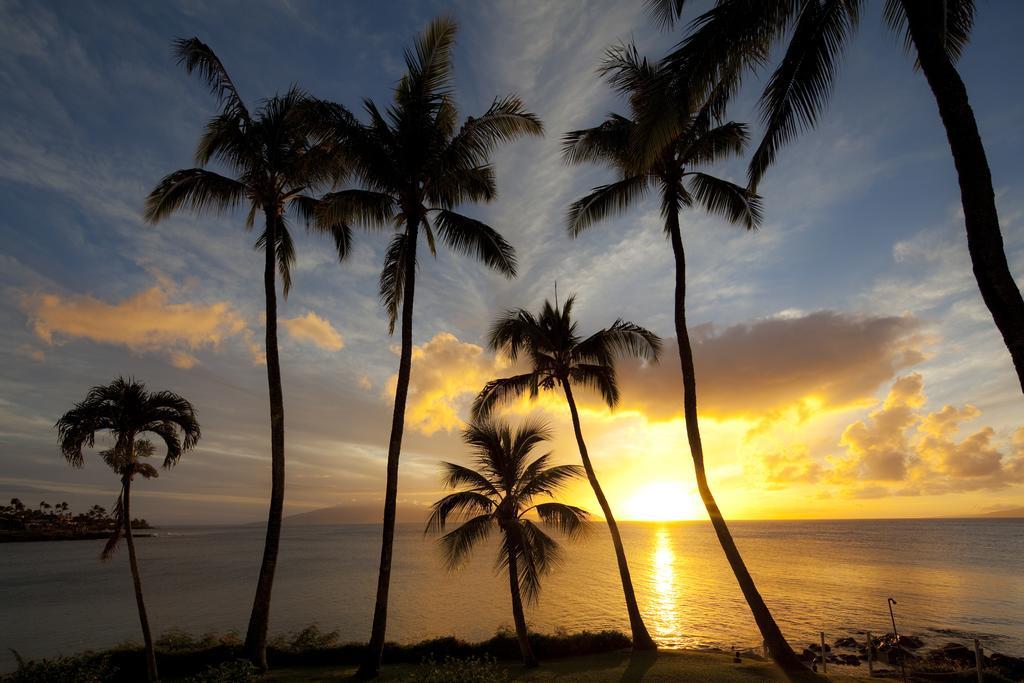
737, 35
560, 358
275, 168
415, 165
126, 410
699, 141
500, 494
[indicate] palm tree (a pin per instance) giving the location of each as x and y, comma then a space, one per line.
275, 167
126, 410
673, 173
499, 494
415, 165
560, 358
738, 34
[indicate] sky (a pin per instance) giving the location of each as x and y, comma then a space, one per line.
847, 366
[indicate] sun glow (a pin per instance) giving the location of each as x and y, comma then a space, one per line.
663, 501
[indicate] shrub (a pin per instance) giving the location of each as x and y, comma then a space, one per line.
453, 670
82, 669
238, 671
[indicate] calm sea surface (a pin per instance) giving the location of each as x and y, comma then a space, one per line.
952, 579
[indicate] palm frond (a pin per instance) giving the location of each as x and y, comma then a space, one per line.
568, 519
504, 121
547, 481
622, 338
194, 188
950, 20
392, 276
457, 475
475, 238
458, 543
501, 391
429, 64
600, 378
665, 12
605, 201
462, 504
734, 202
340, 233
196, 55
802, 83
715, 144
366, 208
608, 142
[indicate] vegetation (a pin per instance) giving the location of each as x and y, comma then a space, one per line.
126, 410
560, 358
499, 494
733, 37
415, 165
19, 522
275, 164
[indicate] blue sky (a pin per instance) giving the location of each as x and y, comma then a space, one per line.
859, 271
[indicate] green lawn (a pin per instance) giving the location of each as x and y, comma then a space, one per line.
619, 667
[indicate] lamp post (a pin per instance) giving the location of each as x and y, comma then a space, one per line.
896, 634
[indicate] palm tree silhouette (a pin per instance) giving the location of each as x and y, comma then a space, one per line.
276, 167
126, 410
560, 358
734, 36
499, 494
415, 166
698, 141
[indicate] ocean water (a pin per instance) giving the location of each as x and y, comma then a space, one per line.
952, 580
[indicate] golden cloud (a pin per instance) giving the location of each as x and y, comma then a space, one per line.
145, 322
901, 451
315, 330
446, 376
825, 359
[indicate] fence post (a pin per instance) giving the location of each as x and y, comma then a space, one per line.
824, 665
977, 660
871, 656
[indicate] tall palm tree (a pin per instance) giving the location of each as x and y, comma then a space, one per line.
699, 141
415, 165
500, 494
736, 35
126, 410
275, 167
560, 358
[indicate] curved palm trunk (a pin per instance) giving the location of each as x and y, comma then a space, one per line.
147, 637
641, 638
517, 613
984, 239
371, 665
259, 619
779, 649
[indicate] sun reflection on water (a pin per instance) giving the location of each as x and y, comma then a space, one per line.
665, 603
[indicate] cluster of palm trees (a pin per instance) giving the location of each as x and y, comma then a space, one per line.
58, 517
407, 167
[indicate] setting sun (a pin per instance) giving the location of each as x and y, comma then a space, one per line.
664, 501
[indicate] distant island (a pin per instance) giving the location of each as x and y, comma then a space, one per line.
357, 513
1011, 512
19, 522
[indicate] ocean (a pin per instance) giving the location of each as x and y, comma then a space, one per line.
952, 579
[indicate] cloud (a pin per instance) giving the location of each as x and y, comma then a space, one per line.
827, 359
315, 330
146, 322
904, 451
446, 375
781, 468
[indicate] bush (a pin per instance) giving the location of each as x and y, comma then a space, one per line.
453, 670
238, 671
82, 669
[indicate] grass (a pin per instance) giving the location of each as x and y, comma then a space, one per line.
620, 667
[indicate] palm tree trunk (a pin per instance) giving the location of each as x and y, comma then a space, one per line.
371, 665
779, 649
984, 240
517, 613
259, 619
147, 637
641, 638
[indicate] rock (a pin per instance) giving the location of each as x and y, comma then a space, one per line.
846, 642
849, 660
911, 642
1011, 667
954, 654
808, 655
817, 648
